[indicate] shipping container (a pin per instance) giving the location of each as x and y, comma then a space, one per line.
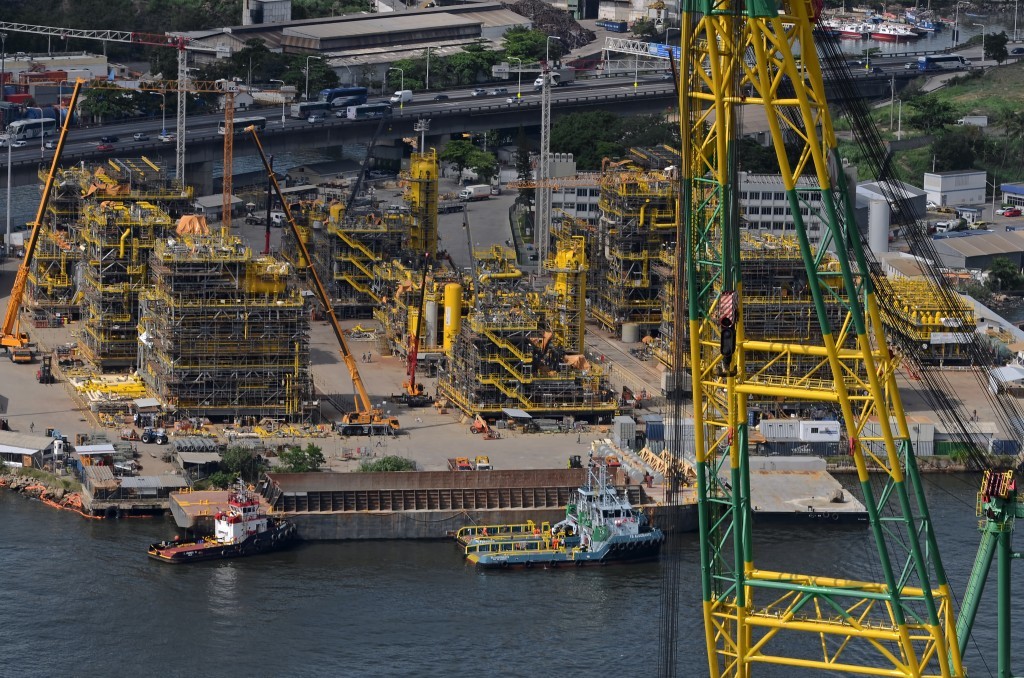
624, 432
17, 98
819, 431
654, 427
780, 429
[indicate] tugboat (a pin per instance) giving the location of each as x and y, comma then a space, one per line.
242, 530
600, 526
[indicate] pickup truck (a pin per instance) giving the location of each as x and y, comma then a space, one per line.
483, 463
460, 464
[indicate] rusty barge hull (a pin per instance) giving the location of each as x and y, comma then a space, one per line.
429, 504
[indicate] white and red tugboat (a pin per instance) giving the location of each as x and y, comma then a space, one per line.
242, 530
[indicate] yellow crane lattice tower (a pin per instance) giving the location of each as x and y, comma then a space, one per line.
891, 613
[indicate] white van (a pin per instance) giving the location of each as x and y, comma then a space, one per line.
402, 96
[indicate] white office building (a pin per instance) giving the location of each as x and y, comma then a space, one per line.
965, 187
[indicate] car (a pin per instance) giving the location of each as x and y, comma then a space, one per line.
1017, 50
932, 205
102, 148
666, 76
167, 138
315, 118
512, 100
909, 66
440, 97
18, 143
50, 144
1012, 212
498, 91
109, 139
479, 92
140, 136
877, 69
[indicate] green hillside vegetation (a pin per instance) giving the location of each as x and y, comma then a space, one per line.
999, 148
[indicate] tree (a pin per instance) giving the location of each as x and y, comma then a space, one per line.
458, 152
108, 104
484, 164
594, 135
956, 149
391, 463
528, 45
244, 462
644, 29
295, 459
931, 114
524, 168
1004, 275
320, 75
995, 47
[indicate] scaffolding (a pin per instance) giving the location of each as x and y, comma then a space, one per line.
118, 238
565, 300
223, 334
638, 220
922, 316
399, 308
421, 195
54, 293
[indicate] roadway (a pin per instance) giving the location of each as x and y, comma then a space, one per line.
83, 141
460, 110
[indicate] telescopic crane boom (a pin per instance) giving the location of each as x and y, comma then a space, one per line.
11, 337
366, 419
414, 395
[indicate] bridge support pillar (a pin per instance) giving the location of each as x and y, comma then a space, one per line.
200, 176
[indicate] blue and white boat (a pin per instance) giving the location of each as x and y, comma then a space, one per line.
601, 526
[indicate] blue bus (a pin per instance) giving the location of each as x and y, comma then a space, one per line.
943, 62
343, 97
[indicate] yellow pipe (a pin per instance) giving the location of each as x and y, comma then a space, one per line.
798, 349
124, 236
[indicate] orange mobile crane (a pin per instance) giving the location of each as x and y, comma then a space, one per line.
366, 419
414, 395
16, 342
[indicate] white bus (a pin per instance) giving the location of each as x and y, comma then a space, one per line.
239, 125
31, 129
942, 62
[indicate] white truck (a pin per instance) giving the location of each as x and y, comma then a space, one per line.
974, 120
559, 76
402, 96
475, 192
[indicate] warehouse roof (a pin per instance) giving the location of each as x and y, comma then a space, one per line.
141, 482
13, 441
978, 244
199, 457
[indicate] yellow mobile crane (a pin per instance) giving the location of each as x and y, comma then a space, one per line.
366, 419
12, 338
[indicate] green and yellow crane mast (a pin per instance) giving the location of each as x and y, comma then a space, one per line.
895, 617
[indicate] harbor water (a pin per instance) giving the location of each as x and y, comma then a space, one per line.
82, 598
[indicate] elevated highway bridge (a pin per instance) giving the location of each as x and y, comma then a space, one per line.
460, 112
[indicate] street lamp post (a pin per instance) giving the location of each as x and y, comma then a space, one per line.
426, 84
401, 86
519, 89
282, 98
163, 112
956, 24
7, 240
307, 72
982, 26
